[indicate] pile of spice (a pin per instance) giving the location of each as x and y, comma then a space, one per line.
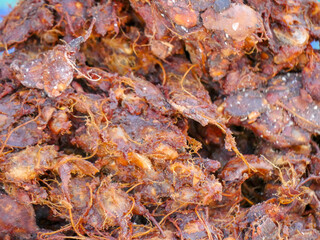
160, 119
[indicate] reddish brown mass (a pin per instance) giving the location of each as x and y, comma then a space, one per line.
160, 119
